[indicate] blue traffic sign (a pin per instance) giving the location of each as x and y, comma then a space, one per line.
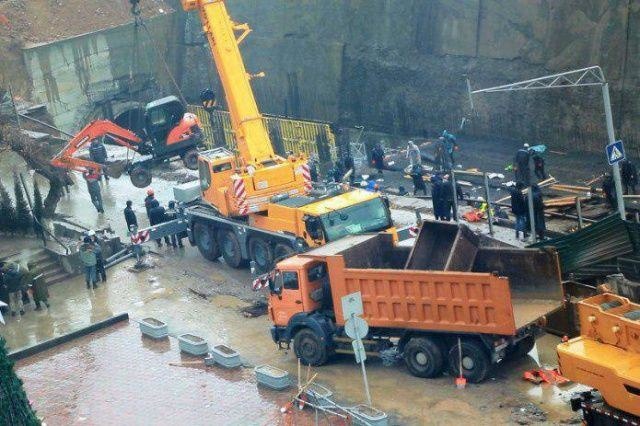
615, 152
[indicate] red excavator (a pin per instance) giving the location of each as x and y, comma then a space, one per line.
169, 132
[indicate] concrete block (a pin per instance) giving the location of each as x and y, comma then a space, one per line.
372, 416
272, 377
226, 357
187, 192
154, 328
193, 345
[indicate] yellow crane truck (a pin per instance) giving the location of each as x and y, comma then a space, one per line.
606, 356
256, 205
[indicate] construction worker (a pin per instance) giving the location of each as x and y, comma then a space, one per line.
441, 155
521, 166
313, 169
348, 165
130, 215
12, 278
413, 154
157, 216
98, 154
40, 292
538, 166
519, 209
609, 189
88, 259
418, 182
451, 145
446, 196
629, 175
150, 202
172, 214
92, 178
436, 195
101, 273
377, 158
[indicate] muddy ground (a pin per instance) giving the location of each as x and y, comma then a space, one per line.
94, 366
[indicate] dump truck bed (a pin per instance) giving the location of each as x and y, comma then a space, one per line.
444, 300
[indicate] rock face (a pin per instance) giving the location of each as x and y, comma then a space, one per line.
398, 65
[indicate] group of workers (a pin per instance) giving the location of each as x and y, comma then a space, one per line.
156, 214
18, 285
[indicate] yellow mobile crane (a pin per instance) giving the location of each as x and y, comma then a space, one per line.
258, 205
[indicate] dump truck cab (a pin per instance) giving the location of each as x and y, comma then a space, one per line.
296, 287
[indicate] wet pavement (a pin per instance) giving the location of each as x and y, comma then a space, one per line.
104, 379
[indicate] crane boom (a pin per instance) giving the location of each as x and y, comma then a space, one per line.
252, 137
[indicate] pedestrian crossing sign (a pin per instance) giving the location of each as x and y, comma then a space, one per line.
615, 152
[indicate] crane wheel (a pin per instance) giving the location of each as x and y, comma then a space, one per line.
206, 242
423, 357
261, 253
230, 248
475, 360
190, 159
140, 177
309, 347
282, 251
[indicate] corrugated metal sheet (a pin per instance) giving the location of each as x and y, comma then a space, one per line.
595, 244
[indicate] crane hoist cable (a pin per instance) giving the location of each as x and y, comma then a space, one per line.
139, 22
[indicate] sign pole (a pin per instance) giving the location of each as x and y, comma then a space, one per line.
364, 370
612, 139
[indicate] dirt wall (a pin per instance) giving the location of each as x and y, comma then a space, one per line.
398, 65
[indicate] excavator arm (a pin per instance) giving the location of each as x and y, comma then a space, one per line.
95, 129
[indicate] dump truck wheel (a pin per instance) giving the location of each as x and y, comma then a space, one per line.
309, 347
230, 247
206, 242
424, 357
261, 253
190, 159
475, 361
140, 177
282, 251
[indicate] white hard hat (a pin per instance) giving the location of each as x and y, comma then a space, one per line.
91, 233
526, 145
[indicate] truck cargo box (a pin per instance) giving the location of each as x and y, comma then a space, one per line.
464, 302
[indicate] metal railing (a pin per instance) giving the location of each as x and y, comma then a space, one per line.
312, 138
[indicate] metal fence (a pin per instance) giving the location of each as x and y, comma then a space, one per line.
287, 134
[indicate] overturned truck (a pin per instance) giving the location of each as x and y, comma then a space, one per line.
447, 295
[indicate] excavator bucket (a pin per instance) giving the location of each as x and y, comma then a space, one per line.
115, 169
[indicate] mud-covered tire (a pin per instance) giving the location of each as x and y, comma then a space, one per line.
475, 361
309, 347
140, 177
190, 159
205, 239
282, 251
230, 248
261, 253
423, 357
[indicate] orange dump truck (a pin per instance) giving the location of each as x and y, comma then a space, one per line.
419, 314
605, 356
